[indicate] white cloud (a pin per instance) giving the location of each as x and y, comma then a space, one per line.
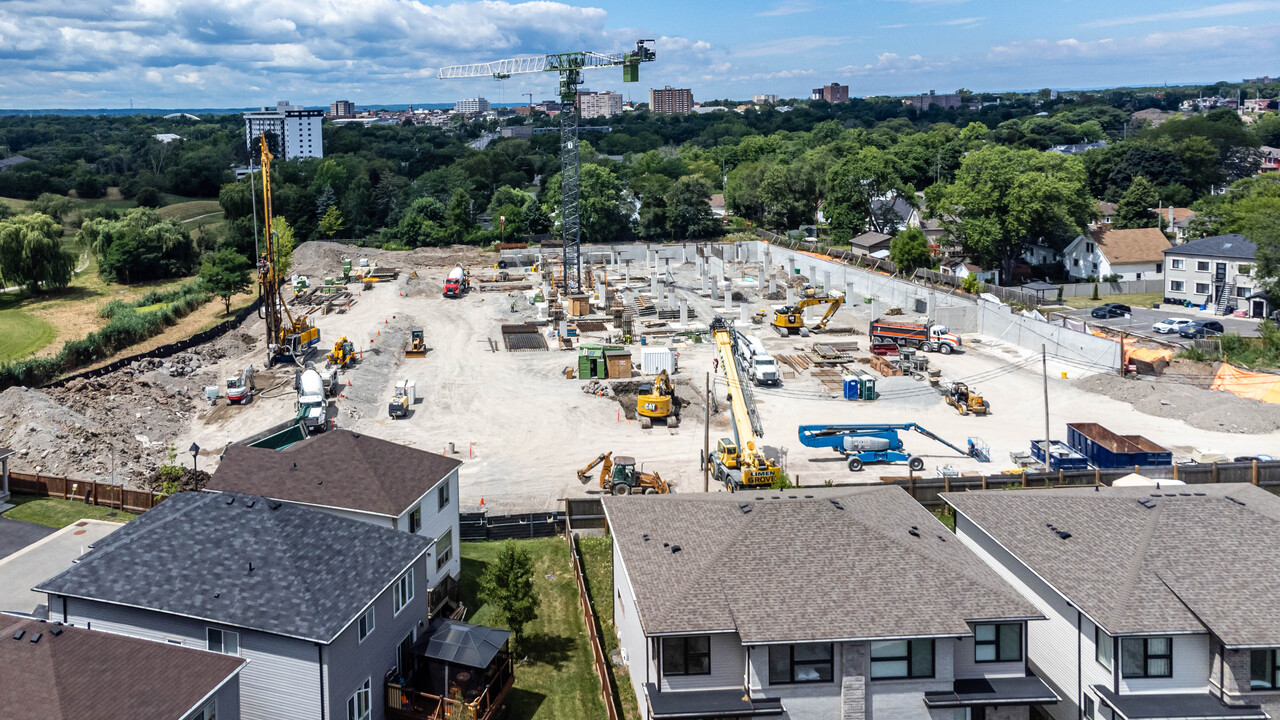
1179, 43
963, 21
1222, 10
788, 7
790, 45
888, 63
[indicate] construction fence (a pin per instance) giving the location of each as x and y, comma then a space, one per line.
89, 492
475, 526
608, 691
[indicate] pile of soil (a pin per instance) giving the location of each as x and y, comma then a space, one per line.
318, 259
1174, 397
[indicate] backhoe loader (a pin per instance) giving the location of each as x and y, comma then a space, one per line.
620, 476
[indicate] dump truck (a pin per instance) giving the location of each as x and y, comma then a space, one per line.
620, 477
457, 283
926, 336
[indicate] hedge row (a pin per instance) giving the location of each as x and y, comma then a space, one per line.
127, 327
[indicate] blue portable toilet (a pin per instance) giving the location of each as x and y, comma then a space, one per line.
851, 388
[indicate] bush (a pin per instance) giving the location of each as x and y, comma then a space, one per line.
148, 196
971, 284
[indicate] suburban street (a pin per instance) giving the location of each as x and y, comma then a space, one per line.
1142, 319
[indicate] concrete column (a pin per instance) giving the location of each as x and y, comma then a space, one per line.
668, 279
728, 296
813, 274
671, 300
684, 312
700, 266
826, 280
715, 287
704, 282
627, 281
742, 314
773, 283
851, 295
791, 266
653, 283
604, 290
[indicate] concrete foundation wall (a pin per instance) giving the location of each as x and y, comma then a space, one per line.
858, 283
1000, 322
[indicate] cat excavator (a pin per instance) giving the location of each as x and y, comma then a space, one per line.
620, 477
657, 400
789, 319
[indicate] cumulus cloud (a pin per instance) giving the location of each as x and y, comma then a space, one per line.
888, 63
1180, 43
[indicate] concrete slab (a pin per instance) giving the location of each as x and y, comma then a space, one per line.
44, 558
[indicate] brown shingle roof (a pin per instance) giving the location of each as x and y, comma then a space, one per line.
1142, 245
1199, 558
360, 472
91, 674
855, 568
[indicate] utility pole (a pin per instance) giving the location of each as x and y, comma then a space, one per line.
1122, 336
1044, 364
706, 439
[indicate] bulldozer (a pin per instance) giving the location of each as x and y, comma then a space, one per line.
966, 401
620, 477
416, 347
343, 353
657, 400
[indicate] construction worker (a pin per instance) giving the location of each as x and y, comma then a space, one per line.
715, 365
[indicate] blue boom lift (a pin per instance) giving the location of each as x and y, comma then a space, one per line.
876, 443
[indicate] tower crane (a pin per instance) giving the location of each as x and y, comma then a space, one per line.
570, 66
288, 338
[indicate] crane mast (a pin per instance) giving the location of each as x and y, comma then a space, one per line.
284, 341
746, 464
570, 66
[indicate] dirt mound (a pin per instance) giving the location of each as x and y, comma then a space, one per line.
318, 259
1171, 397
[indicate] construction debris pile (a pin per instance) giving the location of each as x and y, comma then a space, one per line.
1173, 398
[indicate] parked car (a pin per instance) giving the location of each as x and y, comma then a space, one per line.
1171, 325
1251, 458
1111, 310
1201, 329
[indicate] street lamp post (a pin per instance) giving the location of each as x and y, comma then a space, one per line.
195, 451
502, 225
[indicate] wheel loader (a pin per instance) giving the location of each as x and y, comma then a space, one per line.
966, 401
620, 477
343, 353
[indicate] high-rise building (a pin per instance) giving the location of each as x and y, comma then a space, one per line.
468, 106
342, 108
833, 93
924, 102
297, 129
599, 104
762, 99
671, 101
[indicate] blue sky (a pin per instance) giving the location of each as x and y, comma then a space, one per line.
230, 53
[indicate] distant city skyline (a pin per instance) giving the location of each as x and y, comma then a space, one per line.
184, 53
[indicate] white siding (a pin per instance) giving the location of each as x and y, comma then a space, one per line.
282, 679
728, 667
631, 639
1191, 665
435, 521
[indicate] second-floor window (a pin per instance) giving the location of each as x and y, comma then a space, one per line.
809, 663
442, 495
365, 625
997, 643
223, 641
1264, 669
415, 520
1202, 266
686, 655
1106, 651
1177, 264
900, 659
1146, 657
402, 594
444, 548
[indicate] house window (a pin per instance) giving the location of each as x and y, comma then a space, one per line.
1106, 651
1202, 288
1243, 291
686, 655
442, 494
1176, 264
208, 712
809, 663
997, 643
1146, 657
899, 659
1264, 669
1176, 285
1076, 262
1202, 266
415, 520
444, 548
403, 592
365, 624
1088, 247
1088, 707
223, 641
359, 705
1245, 270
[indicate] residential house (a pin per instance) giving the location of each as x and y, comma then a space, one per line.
1131, 254
889, 213
50, 671
939, 242
360, 477
1175, 221
1152, 596
813, 603
12, 160
1035, 253
1217, 272
963, 268
1106, 213
870, 242
323, 607
1270, 159
717, 204
1077, 148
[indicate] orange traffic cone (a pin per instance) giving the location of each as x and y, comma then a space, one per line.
482, 501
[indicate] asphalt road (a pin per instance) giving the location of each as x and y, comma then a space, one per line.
1142, 319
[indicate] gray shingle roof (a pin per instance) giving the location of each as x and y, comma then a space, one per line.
312, 572
798, 568
1196, 560
1233, 246
366, 473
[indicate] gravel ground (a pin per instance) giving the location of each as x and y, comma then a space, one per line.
1170, 397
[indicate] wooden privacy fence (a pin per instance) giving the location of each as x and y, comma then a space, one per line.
607, 690
89, 492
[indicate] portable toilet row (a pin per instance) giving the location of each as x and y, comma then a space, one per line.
859, 385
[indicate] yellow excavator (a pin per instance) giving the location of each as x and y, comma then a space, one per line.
657, 401
620, 477
343, 353
789, 319
738, 462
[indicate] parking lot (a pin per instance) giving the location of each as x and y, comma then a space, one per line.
1141, 320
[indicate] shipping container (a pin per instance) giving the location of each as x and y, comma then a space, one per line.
655, 360
1106, 449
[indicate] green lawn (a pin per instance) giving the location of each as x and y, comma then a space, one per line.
557, 681
56, 513
597, 562
22, 334
190, 209
1135, 300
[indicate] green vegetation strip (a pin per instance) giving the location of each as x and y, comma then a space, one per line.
557, 681
22, 334
597, 563
56, 513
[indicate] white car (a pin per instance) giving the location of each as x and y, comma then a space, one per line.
1171, 325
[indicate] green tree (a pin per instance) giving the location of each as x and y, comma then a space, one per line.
853, 187
909, 250
31, 253
286, 243
1136, 206
225, 273
783, 200
458, 217
422, 224
55, 206
507, 583
603, 206
148, 197
689, 209
139, 246
332, 223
